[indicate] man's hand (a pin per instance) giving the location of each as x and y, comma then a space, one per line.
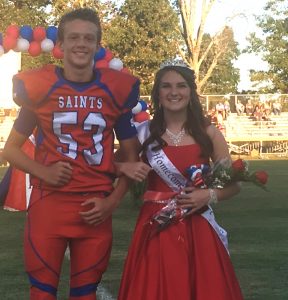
57, 174
96, 210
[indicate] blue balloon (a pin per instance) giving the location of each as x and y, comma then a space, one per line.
100, 54
143, 104
26, 32
1, 39
51, 33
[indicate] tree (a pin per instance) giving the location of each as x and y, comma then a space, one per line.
59, 7
143, 34
272, 46
225, 77
203, 57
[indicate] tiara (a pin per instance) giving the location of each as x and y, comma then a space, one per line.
174, 63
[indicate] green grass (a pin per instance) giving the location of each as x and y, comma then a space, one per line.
256, 221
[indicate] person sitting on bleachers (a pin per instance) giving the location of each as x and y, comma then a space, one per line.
249, 107
276, 108
257, 114
239, 107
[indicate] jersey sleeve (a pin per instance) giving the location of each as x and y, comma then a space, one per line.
133, 96
33, 86
124, 89
25, 122
124, 128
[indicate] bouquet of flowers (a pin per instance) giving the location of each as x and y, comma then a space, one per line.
222, 173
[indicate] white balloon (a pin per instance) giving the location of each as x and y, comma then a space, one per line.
22, 45
116, 64
1, 50
137, 108
47, 45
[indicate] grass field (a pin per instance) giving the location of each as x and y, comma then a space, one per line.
257, 223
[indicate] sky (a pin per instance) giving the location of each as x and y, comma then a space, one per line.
242, 26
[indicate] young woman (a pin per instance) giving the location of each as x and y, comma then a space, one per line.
188, 260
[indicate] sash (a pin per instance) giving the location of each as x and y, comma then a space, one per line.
162, 165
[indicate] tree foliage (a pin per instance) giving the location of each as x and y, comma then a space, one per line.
272, 46
207, 56
143, 33
225, 77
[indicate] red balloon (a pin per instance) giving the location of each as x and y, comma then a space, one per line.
101, 64
9, 42
13, 31
34, 48
39, 33
141, 117
108, 55
125, 70
57, 52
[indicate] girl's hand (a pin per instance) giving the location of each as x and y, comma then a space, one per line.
193, 198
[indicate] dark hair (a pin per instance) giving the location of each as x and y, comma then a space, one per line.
85, 14
196, 123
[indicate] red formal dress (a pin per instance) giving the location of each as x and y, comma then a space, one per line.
185, 261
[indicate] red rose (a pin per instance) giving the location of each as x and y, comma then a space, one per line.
238, 165
261, 176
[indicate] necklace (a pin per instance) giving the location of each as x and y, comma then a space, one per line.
175, 138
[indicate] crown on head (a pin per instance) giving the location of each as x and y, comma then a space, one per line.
176, 62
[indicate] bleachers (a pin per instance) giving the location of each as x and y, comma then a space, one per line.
244, 134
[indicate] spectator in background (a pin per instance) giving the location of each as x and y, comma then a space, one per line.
249, 107
276, 107
220, 108
239, 107
227, 109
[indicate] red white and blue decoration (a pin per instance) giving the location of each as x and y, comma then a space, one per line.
140, 113
38, 40
33, 41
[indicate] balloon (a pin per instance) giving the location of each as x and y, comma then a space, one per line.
34, 48
12, 30
51, 33
108, 55
143, 104
22, 45
125, 70
101, 64
39, 34
100, 54
26, 32
57, 52
1, 50
137, 108
9, 42
141, 117
47, 45
116, 64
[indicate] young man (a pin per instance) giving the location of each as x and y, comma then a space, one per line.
76, 110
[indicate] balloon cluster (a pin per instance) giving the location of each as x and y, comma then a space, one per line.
140, 113
104, 59
34, 41
38, 40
